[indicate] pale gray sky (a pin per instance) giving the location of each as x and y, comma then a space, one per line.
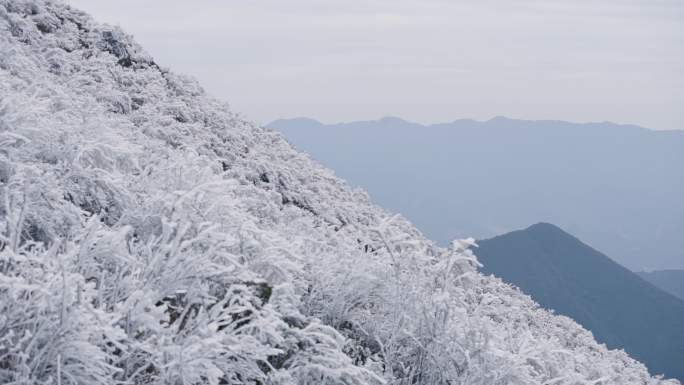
427, 61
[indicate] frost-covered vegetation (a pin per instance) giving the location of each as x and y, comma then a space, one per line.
150, 236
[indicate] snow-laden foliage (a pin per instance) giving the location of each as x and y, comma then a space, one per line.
150, 236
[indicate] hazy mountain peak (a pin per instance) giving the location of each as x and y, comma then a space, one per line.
545, 230
300, 122
500, 119
545, 226
394, 120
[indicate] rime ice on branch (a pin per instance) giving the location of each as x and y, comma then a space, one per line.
150, 236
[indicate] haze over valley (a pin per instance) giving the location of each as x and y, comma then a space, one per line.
617, 187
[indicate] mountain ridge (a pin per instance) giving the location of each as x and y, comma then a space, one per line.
306, 121
564, 274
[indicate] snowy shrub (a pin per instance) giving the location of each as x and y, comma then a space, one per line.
150, 236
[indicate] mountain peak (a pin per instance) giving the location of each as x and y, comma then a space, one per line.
540, 230
562, 273
394, 119
295, 123
499, 119
545, 226
548, 229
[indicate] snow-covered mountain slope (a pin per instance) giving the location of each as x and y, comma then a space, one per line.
150, 236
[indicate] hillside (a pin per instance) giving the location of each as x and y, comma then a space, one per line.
617, 306
148, 235
619, 187
671, 281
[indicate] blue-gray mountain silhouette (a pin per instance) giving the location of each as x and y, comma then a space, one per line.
619, 187
672, 281
564, 274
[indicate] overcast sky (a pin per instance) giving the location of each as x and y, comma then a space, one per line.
427, 61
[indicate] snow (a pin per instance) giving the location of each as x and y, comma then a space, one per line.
148, 235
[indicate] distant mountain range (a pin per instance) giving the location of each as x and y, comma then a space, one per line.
617, 186
672, 281
564, 274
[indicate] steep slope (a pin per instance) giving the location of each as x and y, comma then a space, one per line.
150, 236
562, 273
617, 186
672, 281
